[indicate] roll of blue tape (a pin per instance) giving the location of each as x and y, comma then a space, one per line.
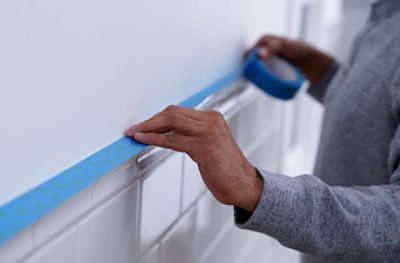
276, 76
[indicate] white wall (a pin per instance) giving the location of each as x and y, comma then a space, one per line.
75, 74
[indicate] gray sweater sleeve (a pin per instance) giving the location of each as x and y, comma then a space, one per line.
306, 214
318, 90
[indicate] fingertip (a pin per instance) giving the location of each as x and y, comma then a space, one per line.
131, 131
263, 53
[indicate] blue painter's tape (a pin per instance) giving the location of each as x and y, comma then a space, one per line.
276, 77
30, 207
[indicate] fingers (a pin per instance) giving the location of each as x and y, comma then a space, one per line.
190, 113
176, 123
268, 46
173, 118
177, 142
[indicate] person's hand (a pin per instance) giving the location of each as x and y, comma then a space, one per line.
311, 61
206, 138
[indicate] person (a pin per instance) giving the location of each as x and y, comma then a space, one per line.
349, 210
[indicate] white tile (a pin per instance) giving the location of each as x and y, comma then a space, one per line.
228, 248
233, 124
109, 233
268, 111
62, 250
257, 117
257, 249
113, 182
248, 95
211, 218
62, 217
247, 127
160, 200
17, 247
281, 254
267, 155
152, 256
178, 245
193, 184
228, 107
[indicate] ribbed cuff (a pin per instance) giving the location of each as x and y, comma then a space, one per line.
277, 212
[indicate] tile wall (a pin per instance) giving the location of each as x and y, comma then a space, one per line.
163, 214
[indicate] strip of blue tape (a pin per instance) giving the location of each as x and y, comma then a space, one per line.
30, 207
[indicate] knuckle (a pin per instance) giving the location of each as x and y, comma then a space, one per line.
212, 129
170, 140
217, 124
266, 38
216, 114
219, 118
171, 108
279, 44
173, 117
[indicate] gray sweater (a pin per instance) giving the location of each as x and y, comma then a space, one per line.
349, 210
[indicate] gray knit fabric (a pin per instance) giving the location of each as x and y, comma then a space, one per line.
349, 210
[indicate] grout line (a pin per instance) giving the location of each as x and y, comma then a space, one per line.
168, 229
215, 241
75, 223
138, 236
247, 247
158, 252
260, 139
78, 243
193, 233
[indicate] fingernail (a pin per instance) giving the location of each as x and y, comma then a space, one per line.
131, 131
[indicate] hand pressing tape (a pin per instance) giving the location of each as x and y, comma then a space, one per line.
276, 76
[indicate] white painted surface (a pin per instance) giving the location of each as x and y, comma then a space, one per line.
177, 246
65, 215
110, 233
63, 249
75, 74
112, 183
210, 220
193, 184
18, 247
160, 200
153, 256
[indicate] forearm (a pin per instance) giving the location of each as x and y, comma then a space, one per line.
315, 64
319, 89
306, 214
